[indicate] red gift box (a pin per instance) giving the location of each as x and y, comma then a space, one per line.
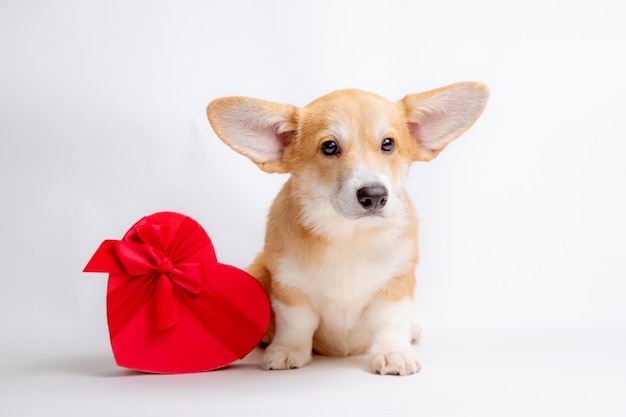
171, 306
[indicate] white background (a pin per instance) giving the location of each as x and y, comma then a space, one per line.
521, 284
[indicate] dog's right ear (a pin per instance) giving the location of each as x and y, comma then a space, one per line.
437, 117
258, 129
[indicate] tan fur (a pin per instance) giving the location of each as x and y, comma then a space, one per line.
317, 237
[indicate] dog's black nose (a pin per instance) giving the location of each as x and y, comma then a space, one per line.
372, 197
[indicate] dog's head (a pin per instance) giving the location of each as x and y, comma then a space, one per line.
349, 151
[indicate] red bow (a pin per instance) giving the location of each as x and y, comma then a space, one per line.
154, 272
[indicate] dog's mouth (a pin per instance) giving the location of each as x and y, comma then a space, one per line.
370, 214
358, 213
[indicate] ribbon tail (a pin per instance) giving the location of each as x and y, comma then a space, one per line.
165, 304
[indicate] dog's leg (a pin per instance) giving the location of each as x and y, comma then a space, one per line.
293, 342
391, 332
416, 333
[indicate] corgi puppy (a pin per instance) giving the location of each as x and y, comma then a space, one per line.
341, 242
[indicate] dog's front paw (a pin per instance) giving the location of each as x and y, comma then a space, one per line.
394, 363
278, 357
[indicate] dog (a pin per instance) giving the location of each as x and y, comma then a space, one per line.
341, 248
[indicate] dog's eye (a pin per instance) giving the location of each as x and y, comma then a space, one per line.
388, 145
330, 148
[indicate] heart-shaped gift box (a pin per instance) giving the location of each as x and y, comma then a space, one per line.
171, 306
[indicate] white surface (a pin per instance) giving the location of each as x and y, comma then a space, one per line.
494, 373
522, 277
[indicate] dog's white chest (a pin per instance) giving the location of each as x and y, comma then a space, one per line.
347, 276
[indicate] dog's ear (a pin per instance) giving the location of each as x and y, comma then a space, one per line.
258, 129
439, 116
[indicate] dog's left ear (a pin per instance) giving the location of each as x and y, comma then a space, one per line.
437, 117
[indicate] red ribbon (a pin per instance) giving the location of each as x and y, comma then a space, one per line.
167, 265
